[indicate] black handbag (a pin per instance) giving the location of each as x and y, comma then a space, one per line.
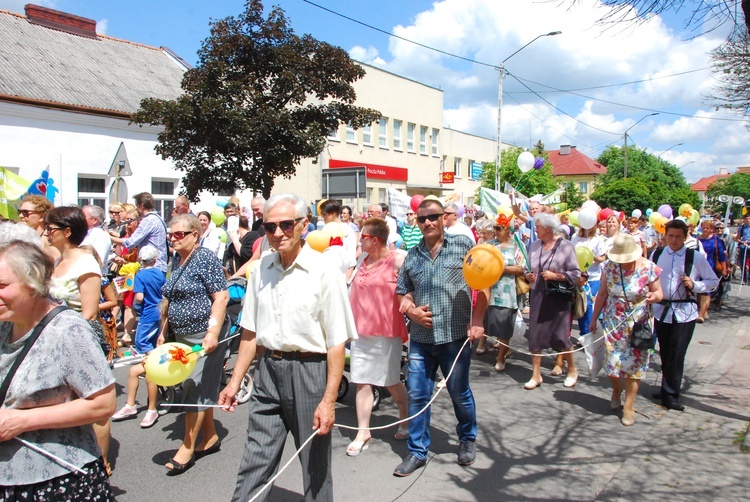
643, 335
557, 289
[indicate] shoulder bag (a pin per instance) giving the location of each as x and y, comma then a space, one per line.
643, 335
718, 266
559, 289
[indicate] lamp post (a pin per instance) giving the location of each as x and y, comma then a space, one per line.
501, 68
668, 149
625, 165
729, 200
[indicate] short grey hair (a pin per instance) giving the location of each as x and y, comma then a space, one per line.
190, 222
258, 198
30, 264
96, 212
148, 254
453, 208
549, 221
12, 232
300, 208
485, 225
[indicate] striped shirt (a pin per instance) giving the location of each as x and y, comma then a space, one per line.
411, 236
440, 284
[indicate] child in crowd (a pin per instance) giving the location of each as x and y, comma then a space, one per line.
147, 289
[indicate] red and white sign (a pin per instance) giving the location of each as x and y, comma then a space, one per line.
447, 177
373, 170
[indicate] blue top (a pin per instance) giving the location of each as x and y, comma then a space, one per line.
743, 234
149, 282
709, 246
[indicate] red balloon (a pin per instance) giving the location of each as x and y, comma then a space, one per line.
605, 213
621, 216
416, 200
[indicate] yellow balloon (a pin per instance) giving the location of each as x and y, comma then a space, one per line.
653, 217
659, 224
163, 370
318, 206
483, 266
318, 240
333, 229
585, 257
685, 210
573, 218
253, 265
694, 217
507, 211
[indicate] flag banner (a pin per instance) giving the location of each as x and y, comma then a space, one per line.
489, 200
398, 204
12, 188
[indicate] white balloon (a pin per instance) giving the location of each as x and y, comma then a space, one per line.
586, 218
525, 162
636, 213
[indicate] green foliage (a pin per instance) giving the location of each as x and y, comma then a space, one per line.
531, 183
664, 182
573, 197
737, 185
259, 101
623, 194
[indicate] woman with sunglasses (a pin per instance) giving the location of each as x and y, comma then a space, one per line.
376, 354
196, 315
76, 281
33, 209
125, 255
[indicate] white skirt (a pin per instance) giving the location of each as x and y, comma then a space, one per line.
376, 360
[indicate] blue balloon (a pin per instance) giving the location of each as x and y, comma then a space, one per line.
649, 211
222, 202
399, 242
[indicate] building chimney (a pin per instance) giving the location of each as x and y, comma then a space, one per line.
564, 149
723, 171
61, 21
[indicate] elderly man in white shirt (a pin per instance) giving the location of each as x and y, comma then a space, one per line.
674, 317
453, 225
297, 309
97, 237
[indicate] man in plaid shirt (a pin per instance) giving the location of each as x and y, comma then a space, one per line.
435, 296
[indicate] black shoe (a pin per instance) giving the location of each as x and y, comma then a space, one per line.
671, 404
178, 468
199, 454
658, 395
467, 453
410, 464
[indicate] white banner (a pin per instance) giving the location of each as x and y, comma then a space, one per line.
398, 204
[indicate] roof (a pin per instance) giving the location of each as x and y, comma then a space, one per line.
702, 184
48, 67
574, 163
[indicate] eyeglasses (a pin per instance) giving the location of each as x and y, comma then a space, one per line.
26, 212
49, 229
178, 235
115, 212
410, 214
432, 217
128, 222
448, 212
498, 228
286, 226
365, 236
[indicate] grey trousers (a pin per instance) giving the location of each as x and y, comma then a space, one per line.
285, 396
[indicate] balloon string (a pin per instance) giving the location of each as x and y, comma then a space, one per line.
54, 457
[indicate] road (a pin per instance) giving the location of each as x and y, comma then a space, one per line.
552, 443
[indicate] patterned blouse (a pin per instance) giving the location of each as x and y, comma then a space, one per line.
504, 293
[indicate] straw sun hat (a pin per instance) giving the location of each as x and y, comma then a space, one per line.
624, 249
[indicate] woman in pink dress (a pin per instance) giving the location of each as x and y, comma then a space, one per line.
376, 354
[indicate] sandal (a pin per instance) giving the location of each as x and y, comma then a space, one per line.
402, 434
556, 371
178, 468
107, 468
357, 447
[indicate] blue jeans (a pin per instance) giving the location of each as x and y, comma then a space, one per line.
585, 321
424, 360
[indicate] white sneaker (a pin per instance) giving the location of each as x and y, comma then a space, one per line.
150, 419
126, 411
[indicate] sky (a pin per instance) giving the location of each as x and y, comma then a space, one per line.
596, 65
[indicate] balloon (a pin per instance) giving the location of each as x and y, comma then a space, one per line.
665, 210
659, 224
538, 163
620, 216
636, 213
694, 217
566, 228
685, 210
605, 213
483, 266
163, 366
525, 162
399, 242
586, 218
217, 216
333, 229
416, 200
649, 211
253, 265
653, 217
222, 235
590, 204
507, 211
461, 209
585, 257
222, 202
573, 218
318, 240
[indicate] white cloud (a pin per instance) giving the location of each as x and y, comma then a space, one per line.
101, 26
368, 55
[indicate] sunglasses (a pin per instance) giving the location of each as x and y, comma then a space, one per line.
26, 212
49, 230
131, 220
178, 235
432, 217
498, 228
286, 226
365, 236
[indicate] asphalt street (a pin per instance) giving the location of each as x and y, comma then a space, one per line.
551, 443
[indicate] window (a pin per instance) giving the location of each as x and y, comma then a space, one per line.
382, 195
457, 167
369, 195
350, 134
468, 170
383, 132
397, 134
164, 196
423, 140
410, 137
333, 134
584, 187
367, 134
92, 191
226, 192
435, 133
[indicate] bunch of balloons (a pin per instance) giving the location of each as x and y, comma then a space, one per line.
319, 240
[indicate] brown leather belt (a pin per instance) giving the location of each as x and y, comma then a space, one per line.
294, 356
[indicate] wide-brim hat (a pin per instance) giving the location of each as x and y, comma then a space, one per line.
624, 249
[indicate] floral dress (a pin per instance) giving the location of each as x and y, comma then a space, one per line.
622, 359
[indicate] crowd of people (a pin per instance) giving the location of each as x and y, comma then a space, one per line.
379, 284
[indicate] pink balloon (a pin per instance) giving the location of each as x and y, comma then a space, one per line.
416, 200
461, 209
605, 213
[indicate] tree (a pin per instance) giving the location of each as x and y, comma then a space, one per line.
737, 185
572, 196
731, 62
623, 194
259, 100
531, 183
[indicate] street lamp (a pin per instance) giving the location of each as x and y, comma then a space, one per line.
668, 149
729, 200
686, 164
625, 165
501, 68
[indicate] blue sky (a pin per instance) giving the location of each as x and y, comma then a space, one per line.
582, 57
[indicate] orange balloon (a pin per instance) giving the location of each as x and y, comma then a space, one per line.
483, 266
318, 240
660, 223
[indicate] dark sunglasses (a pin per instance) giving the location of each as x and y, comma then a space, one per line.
286, 226
498, 228
49, 229
179, 235
432, 217
26, 212
365, 236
